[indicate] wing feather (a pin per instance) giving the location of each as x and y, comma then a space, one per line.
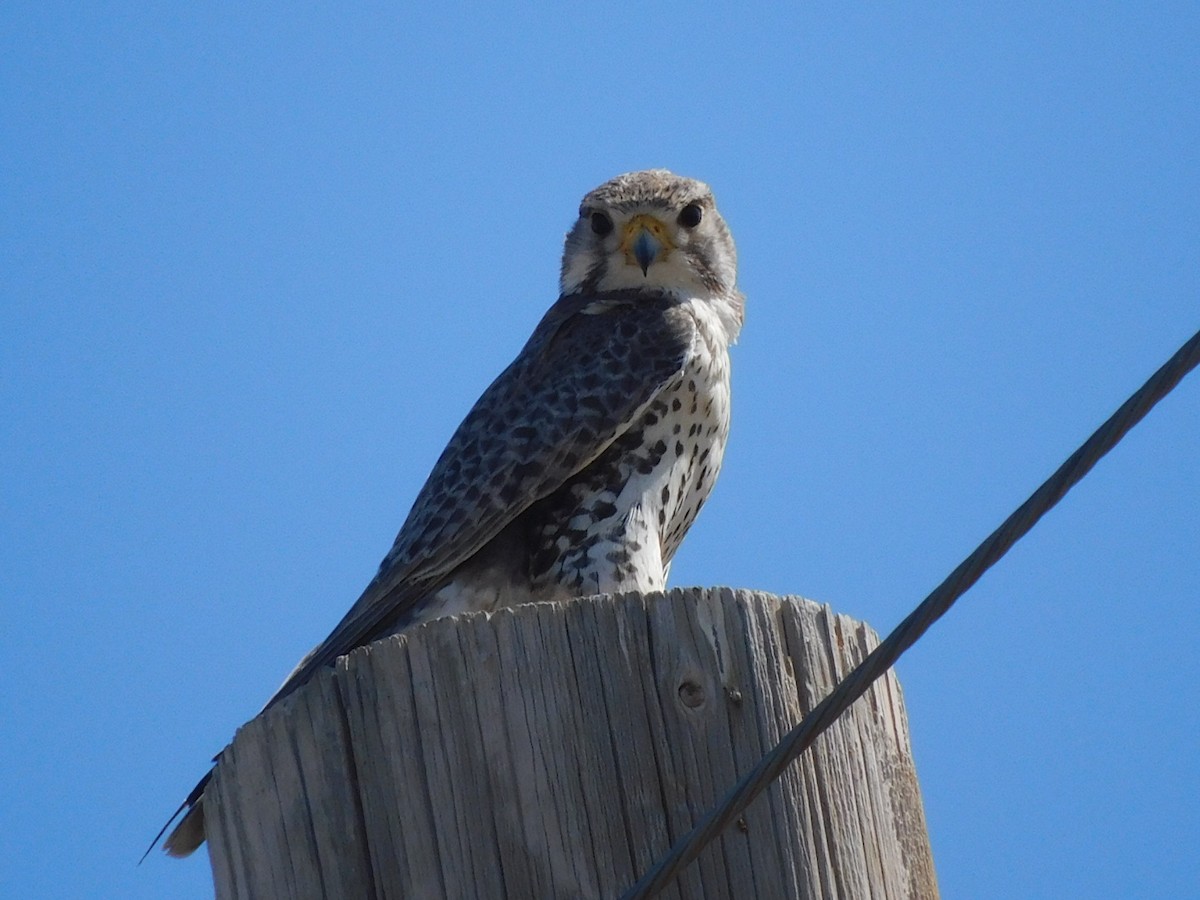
589, 369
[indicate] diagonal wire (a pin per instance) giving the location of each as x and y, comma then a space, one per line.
854, 685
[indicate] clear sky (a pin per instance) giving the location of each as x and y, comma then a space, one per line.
256, 265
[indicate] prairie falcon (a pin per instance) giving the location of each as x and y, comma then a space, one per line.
583, 465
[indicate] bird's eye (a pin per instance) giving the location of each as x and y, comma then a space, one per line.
601, 223
690, 215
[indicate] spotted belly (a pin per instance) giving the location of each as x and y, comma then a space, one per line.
617, 525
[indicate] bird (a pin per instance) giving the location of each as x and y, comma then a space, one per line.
582, 466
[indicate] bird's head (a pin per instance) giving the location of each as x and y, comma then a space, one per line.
651, 230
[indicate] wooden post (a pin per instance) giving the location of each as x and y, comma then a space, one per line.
556, 750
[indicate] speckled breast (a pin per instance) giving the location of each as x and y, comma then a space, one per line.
617, 525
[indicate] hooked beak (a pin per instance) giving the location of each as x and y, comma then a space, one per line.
644, 241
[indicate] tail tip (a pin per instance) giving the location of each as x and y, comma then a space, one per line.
188, 834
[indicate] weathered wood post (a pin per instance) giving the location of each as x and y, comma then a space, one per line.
556, 750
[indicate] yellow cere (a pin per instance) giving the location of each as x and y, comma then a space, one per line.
656, 228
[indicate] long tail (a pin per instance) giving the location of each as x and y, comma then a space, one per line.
378, 613
189, 833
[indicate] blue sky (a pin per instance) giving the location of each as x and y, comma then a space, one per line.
256, 264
